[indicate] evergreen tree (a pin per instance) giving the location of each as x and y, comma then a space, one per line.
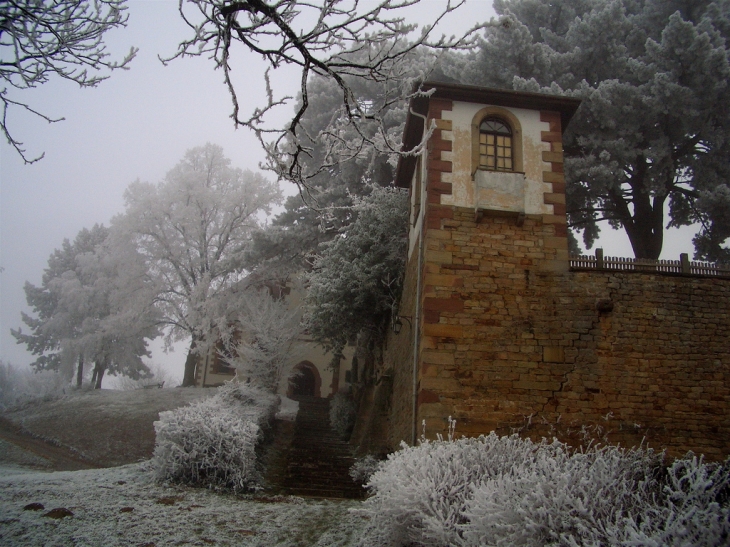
94, 306
356, 279
654, 127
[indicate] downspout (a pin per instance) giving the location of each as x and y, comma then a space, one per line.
419, 281
417, 325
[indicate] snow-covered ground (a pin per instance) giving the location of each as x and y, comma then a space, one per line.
122, 506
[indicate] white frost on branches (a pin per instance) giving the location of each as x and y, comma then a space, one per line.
509, 491
343, 41
193, 230
263, 339
40, 39
213, 442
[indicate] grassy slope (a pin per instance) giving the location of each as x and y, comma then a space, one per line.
105, 428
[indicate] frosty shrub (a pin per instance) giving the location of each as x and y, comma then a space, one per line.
213, 442
510, 491
364, 468
693, 509
19, 386
343, 411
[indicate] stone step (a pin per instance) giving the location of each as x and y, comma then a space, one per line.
318, 461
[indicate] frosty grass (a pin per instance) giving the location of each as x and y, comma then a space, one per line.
100, 501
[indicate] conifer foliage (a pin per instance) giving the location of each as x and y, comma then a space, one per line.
357, 278
95, 306
653, 131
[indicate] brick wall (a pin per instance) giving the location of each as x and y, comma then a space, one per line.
510, 345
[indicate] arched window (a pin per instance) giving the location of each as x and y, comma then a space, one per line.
495, 145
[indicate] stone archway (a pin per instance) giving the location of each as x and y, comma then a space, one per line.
304, 381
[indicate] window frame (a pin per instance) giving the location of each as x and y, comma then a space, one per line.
508, 119
499, 139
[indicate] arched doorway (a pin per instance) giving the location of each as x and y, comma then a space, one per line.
304, 381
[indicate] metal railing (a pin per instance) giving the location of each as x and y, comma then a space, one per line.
683, 266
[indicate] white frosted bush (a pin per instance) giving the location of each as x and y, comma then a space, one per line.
508, 491
213, 442
420, 492
364, 468
693, 509
560, 497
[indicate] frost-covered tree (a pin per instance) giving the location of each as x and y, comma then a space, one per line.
261, 339
112, 298
356, 280
64, 38
94, 306
193, 230
341, 41
325, 209
654, 127
19, 385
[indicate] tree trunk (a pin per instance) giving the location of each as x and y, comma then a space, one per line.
645, 224
190, 365
99, 370
93, 375
646, 233
80, 372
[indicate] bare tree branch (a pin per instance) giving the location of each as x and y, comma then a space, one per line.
341, 40
39, 39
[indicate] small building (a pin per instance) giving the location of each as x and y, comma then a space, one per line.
495, 328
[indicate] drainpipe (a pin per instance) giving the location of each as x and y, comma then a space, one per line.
419, 281
417, 324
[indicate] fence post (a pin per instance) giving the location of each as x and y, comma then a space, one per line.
684, 259
599, 259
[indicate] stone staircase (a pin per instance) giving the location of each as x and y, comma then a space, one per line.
313, 461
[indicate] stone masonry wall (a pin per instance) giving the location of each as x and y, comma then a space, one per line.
398, 361
509, 345
510, 340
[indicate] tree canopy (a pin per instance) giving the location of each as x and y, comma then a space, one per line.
653, 131
193, 231
64, 38
94, 306
356, 279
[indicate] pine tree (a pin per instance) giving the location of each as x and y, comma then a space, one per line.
654, 127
